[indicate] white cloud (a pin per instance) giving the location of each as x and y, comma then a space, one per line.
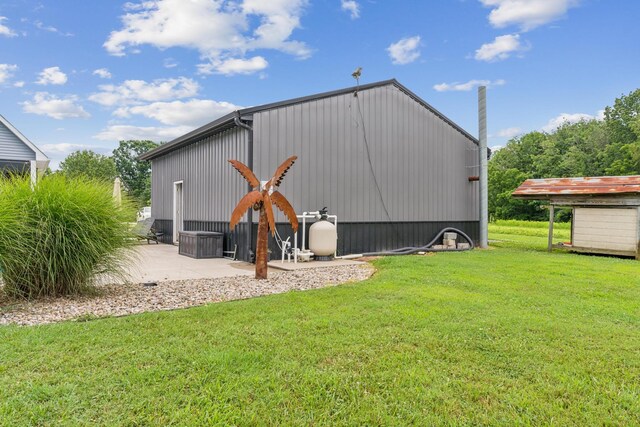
39, 25
193, 113
19, 84
508, 133
153, 133
169, 63
219, 31
52, 76
137, 91
565, 118
46, 104
467, 86
6, 72
103, 73
405, 50
63, 148
4, 30
527, 14
234, 66
352, 7
501, 48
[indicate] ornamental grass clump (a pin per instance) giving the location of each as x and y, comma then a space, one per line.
61, 236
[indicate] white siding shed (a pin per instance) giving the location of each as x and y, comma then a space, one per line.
613, 230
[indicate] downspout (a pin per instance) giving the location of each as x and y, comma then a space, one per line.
482, 152
244, 125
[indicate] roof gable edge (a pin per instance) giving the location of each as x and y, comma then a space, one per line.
224, 121
40, 156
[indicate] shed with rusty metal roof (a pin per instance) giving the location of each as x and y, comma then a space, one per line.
605, 211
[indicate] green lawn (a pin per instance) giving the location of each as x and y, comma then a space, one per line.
527, 234
510, 335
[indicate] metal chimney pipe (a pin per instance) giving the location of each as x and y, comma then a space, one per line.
484, 181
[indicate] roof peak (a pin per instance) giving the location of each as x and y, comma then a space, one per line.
320, 95
40, 156
228, 121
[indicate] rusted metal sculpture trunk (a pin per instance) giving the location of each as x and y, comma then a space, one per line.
261, 198
262, 247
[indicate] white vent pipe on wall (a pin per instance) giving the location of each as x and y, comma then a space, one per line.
484, 199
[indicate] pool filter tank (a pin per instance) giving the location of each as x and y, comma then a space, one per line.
323, 238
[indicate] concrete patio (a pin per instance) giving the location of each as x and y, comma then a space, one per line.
159, 263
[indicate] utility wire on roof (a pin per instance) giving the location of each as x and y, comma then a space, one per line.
356, 75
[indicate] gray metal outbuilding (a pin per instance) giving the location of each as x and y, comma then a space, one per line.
391, 167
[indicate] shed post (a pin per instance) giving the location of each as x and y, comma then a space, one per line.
551, 216
638, 234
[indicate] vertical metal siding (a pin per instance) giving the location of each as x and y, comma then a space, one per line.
211, 187
12, 148
421, 162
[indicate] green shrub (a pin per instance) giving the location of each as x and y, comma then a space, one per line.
61, 236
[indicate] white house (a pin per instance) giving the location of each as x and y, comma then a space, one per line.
18, 155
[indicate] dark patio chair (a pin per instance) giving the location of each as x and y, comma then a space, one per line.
144, 230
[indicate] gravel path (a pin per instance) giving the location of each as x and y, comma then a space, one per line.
120, 300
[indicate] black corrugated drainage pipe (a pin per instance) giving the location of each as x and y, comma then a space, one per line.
425, 248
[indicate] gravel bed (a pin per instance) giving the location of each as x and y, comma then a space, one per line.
120, 300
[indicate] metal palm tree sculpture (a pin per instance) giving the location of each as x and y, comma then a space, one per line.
261, 198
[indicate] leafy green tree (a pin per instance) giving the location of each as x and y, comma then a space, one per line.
587, 148
574, 149
623, 125
521, 153
508, 168
622, 118
88, 164
502, 182
135, 174
627, 161
635, 125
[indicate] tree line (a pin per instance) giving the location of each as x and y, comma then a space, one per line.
606, 147
134, 174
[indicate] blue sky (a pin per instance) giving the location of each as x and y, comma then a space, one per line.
84, 74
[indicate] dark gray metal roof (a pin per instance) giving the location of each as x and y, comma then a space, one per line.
228, 121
